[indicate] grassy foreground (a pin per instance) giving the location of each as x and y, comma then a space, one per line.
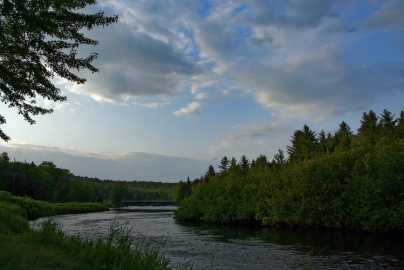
48, 248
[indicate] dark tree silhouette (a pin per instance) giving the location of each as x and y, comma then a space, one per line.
34, 38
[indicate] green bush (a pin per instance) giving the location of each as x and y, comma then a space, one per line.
358, 188
35, 209
12, 218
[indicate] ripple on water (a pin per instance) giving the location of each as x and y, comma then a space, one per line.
234, 247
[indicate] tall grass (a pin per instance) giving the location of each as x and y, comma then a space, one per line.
12, 218
116, 251
47, 247
36, 209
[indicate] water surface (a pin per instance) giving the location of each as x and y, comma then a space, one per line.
213, 246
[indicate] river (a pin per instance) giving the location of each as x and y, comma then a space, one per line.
212, 246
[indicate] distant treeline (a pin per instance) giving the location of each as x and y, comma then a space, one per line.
47, 182
334, 180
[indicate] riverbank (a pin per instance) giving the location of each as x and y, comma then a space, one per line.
49, 248
36, 209
359, 188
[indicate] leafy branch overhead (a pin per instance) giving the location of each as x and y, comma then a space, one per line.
39, 40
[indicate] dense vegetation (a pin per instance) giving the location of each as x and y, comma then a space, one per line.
35, 209
48, 248
334, 180
49, 183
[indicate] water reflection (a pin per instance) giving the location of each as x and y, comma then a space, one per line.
234, 247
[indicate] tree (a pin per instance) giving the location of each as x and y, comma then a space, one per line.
303, 144
343, 136
118, 192
224, 164
34, 37
387, 123
4, 158
279, 157
369, 129
180, 192
234, 168
244, 165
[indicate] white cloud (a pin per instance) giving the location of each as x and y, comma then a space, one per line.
192, 109
292, 56
152, 105
224, 94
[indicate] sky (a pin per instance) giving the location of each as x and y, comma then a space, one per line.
183, 83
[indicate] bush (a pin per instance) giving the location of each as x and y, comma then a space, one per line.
12, 218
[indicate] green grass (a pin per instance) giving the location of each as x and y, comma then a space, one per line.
36, 209
49, 248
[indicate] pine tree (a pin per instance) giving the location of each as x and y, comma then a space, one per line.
224, 164
369, 130
321, 142
279, 157
303, 144
244, 165
234, 167
387, 123
209, 173
343, 136
400, 126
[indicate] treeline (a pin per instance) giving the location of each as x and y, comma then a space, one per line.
334, 180
47, 182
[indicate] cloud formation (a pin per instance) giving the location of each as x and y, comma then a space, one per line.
152, 105
192, 109
293, 57
390, 15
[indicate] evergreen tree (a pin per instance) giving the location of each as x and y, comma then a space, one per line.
224, 164
244, 165
400, 126
369, 129
253, 163
321, 142
234, 167
343, 136
303, 144
209, 173
387, 123
261, 164
279, 157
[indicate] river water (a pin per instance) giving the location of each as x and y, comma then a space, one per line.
212, 246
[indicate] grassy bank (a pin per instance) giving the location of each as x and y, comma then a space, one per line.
48, 248
36, 209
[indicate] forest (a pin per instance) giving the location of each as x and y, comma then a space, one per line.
47, 182
341, 180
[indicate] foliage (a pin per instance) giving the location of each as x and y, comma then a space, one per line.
12, 218
35, 209
50, 183
343, 180
115, 252
181, 191
48, 247
38, 40
118, 192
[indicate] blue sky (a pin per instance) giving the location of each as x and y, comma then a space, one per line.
183, 83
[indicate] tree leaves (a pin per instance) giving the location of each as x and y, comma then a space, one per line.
34, 37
